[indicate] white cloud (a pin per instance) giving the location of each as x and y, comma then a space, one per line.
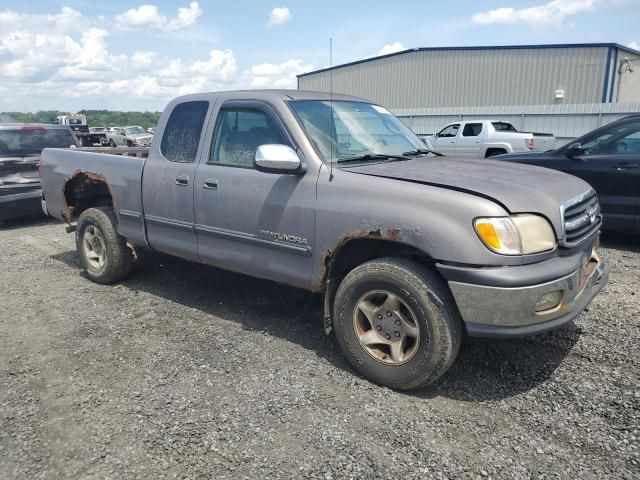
149, 17
271, 75
552, 13
391, 48
64, 61
279, 16
634, 45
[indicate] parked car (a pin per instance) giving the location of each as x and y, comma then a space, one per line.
485, 138
339, 197
132, 136
78, 124
608, 158
20, 147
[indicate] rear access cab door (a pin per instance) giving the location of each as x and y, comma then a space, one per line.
469, 140
169, 177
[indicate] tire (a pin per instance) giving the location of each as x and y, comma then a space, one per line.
129, 143
423, 298
112, 143
117, 259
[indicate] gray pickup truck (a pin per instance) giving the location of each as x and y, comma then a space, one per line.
337, 196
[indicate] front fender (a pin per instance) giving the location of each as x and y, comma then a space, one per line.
436, 221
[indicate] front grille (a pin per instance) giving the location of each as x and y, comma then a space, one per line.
581, 217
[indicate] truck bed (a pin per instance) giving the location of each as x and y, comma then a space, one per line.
67, 173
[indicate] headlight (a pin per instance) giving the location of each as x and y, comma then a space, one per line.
516, 235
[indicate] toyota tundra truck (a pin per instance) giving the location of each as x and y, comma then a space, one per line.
333, 194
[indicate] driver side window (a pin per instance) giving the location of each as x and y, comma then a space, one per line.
239, 132
450, 131
618, 141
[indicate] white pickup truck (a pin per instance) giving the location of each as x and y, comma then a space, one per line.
485, 138
132, 136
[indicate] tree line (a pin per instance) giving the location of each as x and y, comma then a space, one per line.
95, 118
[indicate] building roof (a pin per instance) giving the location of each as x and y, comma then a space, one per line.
489, 47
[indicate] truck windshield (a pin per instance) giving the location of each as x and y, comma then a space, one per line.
31, 141
354, 129
75, 121
134, 130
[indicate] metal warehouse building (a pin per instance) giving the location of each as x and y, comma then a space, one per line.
563, 89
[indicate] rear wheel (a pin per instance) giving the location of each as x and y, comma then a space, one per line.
104, 253
397, 323
494, 152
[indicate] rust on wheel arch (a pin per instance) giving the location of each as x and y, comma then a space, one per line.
76, 185
327, 256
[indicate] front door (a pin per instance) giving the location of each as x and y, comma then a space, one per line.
168, 182
253, 222
445, 140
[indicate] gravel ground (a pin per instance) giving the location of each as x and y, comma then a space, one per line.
186, 371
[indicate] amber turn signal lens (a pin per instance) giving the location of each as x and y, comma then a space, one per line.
489, 235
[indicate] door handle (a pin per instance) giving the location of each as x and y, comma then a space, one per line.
182, 180
210, 184
626, 166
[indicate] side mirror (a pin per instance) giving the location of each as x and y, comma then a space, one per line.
273, 158
574, 150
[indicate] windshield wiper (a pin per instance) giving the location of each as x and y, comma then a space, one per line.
372, 156
422, 151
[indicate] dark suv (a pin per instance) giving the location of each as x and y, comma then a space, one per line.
609, 159
20, 148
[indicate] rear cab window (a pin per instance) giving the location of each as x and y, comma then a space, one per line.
503, 127
182, 133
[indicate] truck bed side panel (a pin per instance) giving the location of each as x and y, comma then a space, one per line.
122, 175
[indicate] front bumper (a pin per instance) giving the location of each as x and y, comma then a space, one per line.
20, 204
501, 301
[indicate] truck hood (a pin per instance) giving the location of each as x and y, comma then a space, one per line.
517, 188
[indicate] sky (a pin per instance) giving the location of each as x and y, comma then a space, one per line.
127, 55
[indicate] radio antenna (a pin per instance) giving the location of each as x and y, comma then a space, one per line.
331, 107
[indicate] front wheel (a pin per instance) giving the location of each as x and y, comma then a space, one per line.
112, 143
104, 252
397, 323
